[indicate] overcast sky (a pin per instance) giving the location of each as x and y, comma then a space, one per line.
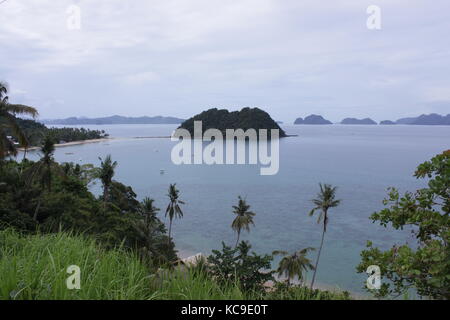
179, 57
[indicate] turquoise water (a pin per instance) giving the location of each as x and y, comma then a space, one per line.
361, 160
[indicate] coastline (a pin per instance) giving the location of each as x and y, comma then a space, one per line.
68, 144
79, 142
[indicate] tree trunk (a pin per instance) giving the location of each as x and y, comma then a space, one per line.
318, 256
37, 210
237, 241
170, 231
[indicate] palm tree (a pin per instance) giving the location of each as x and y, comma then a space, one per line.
150, 230
43, 169
173, 209
292, 265
244, 218
105, 174
149, 211
324, 201
8, 119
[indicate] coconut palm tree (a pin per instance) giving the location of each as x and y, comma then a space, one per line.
325, 200
8, 120
294, 265
173, 209
105, 174
43, 169
150, 231
244, 218
148, 210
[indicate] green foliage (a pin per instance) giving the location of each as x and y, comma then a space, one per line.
9, 124
426, 266
173, 210
239, 266
326, 199
193, 285
69, 206
283, 291
34, 268
247, 118
294, 265
243, 219
35, 132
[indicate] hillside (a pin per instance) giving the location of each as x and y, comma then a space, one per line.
312, 119
358, 121
222, 119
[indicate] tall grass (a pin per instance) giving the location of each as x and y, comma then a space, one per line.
34, 267
192, 284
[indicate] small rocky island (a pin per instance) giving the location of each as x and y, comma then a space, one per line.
358, 121
222, 119
312, 119
387, 122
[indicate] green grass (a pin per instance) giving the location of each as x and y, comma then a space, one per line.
34, 267
194, 285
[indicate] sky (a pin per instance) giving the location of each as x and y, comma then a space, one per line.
177, 58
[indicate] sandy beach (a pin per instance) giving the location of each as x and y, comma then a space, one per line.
74, 143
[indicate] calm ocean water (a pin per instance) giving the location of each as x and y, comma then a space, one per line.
361, 160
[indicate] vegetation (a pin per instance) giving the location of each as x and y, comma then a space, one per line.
326, 199
9, 124
247, 118
424, 267
52, 197
239, 266
294, 265
35, 267
244, 218
173, 209
105, 174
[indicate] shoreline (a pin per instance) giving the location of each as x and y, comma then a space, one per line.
68, 144
79, 142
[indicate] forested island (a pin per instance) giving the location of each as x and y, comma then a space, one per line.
222, 119
312, 119
365, 121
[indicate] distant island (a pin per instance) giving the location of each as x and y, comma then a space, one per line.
358, 121
222, 119
427, 119
114, 120
387, 122
312, 119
